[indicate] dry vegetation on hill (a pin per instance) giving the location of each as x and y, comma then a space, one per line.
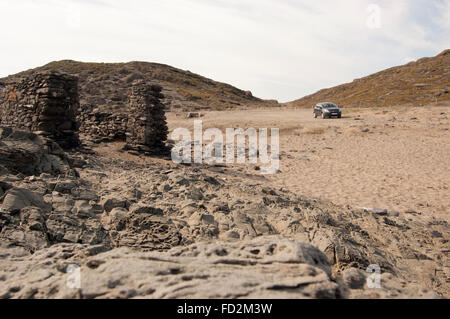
421, 82
105, 86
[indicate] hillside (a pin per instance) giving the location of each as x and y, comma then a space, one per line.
105, 85
421, 82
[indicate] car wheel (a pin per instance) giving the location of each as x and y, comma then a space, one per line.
323, 116
339, 116
315, 115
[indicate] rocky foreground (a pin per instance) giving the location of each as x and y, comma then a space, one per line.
158, 230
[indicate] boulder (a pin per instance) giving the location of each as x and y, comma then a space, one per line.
65, 186
29, 154
67, 227
140, 208
17, 198
110, 203
83, 209
263, 268
115, 219
354, 278
26, 230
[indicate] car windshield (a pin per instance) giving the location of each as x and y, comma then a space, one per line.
329, 106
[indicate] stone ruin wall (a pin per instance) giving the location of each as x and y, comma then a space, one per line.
147, 127
102, 126
48, 104
45, 103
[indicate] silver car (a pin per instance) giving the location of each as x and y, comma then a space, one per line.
327, 110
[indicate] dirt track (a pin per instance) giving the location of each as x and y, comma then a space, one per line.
401, 163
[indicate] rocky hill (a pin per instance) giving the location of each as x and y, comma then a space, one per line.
105, 86
421, 82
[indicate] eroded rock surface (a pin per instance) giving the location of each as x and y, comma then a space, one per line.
158, 230
265, 267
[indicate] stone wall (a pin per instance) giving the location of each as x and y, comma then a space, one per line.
146, 127
48, 104
102, 125
45, 103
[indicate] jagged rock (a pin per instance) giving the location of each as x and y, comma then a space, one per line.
19, 236
83, 209
195, 194
115, 219
60, 203
67, 227
17, 198
29, 154
65, 186
112, 202
26, 229
144, 209
32, 218
144, 231
84, 194
354, 278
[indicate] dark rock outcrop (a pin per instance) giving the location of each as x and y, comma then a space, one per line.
29, 154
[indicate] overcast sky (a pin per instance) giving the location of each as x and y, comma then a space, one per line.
278, 49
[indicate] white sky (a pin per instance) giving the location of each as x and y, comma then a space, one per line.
278, 49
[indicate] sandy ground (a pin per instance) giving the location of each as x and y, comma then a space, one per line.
401, 164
